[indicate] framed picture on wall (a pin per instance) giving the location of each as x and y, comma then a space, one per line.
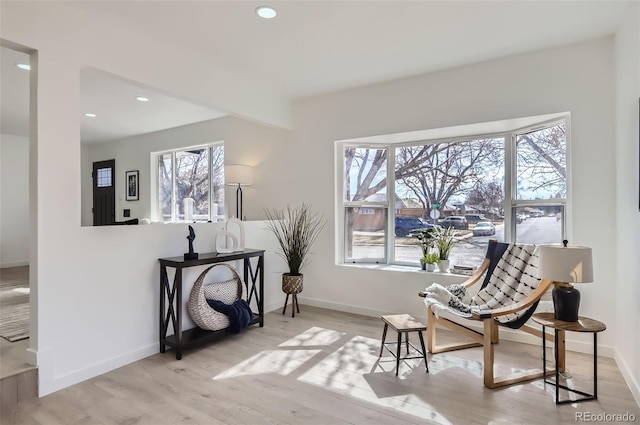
133, 185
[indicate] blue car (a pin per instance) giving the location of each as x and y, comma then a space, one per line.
405, 225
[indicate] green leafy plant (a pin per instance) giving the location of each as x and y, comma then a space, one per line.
444, 241
296, 229
431, 258
426, 239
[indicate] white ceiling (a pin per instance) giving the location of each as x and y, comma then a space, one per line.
119, 114
315, 47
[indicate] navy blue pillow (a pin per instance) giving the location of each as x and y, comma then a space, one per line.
239, 314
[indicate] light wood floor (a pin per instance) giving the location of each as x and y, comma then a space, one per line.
12, 357
321, 367
12, 354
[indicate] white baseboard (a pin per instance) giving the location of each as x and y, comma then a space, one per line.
634, 386
50, 384
273, 306
347, 308
13, 264
31, 357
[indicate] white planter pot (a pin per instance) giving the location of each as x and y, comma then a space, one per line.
443, 266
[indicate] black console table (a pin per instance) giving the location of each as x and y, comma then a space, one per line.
171, 311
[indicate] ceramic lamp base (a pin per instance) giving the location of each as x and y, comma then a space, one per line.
566, 302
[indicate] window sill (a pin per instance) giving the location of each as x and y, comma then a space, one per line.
400, 268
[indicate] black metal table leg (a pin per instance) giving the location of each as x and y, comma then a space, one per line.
398, 356
557, 359
424, 352
544, 354
164, 282
384, 335
178, 312
260, 270
595, 365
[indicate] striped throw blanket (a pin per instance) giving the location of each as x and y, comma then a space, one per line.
515, 276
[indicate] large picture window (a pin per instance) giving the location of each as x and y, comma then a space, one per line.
190, 184
510, 187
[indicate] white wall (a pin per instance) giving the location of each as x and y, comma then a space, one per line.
246, 143
133, 153
627, 287
97, 288
578, 79
14, 200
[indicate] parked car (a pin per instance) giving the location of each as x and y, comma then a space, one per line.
475, 218
405, 225
455, 221
484, 228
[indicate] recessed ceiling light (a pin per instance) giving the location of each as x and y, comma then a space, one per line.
142, 99
90, 115
266, 12
24, 66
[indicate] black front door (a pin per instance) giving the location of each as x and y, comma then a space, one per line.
104, 192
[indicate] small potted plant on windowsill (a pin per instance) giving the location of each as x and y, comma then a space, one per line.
444, 241
429, 261
426, 239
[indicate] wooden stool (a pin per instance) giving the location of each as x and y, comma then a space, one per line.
403, 323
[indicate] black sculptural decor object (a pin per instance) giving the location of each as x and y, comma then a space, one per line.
191, 255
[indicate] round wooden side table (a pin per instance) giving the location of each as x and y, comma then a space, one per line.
584, 324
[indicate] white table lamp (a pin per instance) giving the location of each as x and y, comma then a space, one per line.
566, 265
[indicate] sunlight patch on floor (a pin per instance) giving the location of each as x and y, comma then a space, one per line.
445, 361
314, 336
355, 370
282, 362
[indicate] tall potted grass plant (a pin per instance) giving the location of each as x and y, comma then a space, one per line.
444, 241
296, 229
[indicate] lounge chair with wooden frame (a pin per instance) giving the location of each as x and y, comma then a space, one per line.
508, 296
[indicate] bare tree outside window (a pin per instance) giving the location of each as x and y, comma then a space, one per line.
365, 180
438, 173
190, 175
542, 163
488, 196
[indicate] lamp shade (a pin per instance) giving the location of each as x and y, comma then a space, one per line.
571, 264
238, 174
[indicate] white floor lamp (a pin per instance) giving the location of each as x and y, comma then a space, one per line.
240, 175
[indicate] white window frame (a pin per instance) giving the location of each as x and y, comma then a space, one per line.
393, 141
514, 203
364, 204
155, 208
